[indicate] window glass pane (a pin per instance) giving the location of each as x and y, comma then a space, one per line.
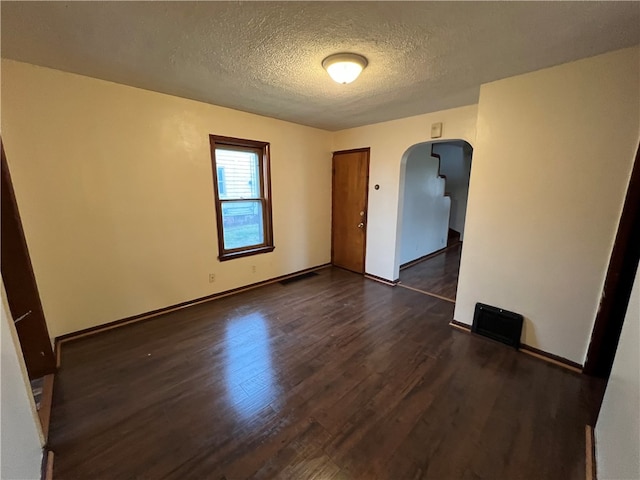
241, 174
222, 184
242, 224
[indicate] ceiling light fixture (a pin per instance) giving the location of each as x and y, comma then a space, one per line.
344, 67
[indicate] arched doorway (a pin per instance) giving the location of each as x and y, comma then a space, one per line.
434, 187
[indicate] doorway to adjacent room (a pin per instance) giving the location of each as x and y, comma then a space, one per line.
434, 187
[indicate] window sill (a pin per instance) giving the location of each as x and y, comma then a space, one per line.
245, 253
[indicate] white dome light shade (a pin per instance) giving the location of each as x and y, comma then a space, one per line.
344, 67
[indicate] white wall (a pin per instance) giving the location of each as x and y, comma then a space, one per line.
618, 427
20, 434
425, 211
115, 189
552, 159
389, 141
455, 164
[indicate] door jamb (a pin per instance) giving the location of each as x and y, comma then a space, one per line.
621, 272
51, 366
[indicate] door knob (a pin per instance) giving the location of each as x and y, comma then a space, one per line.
361, 225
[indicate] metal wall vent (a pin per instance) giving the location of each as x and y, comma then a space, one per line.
497, 324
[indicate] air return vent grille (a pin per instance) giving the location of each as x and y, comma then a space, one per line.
498, 324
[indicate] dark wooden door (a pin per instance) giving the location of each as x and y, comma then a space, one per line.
20, 284
349, 209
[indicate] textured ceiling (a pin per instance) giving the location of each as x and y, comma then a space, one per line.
265, 57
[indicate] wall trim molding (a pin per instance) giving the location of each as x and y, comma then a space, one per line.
460, 326
46, 402
172, 308
46, 472
551, 358
531, 351
591, 472
375, 278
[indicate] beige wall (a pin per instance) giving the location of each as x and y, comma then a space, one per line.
552, 159
21, 437
618, 427
389, 143
115, 189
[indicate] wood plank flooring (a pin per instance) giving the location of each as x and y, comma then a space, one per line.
438, 274
332, 377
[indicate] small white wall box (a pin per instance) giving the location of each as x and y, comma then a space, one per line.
436, 130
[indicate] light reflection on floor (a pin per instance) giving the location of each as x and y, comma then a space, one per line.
249, 372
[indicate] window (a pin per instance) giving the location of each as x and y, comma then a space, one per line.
242, 189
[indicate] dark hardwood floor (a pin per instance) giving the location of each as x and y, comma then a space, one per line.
438, 274
332, 377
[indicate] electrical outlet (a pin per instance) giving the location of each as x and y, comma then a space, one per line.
212, 277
